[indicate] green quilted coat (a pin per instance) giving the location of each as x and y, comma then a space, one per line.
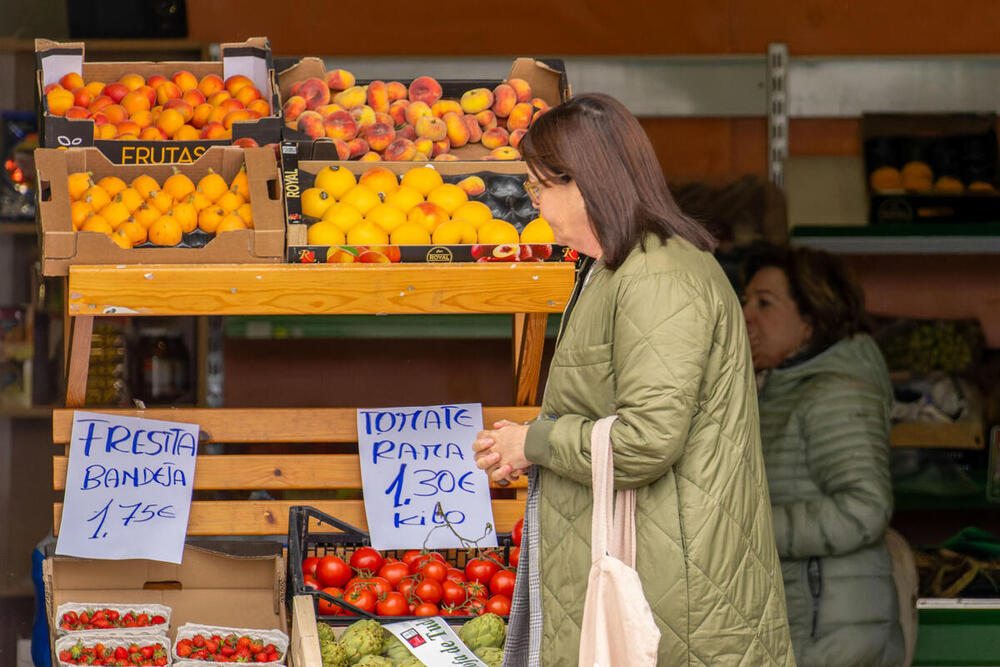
661, 343
825, 429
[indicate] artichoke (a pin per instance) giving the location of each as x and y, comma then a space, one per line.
333, 654
395, 649
491, 655
373, 661
410, 662
325, 633
362, 638
485, 630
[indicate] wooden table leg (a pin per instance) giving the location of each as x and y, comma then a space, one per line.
528, 352
79, 361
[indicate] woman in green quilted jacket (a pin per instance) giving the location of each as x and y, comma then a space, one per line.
824, 417
653, 334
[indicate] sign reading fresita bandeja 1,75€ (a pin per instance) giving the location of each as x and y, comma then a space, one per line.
421, 484
128, 488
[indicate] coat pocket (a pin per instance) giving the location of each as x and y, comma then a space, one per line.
586, 355
814, 578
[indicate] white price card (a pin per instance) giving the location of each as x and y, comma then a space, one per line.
433, 641
421, 484
128, 488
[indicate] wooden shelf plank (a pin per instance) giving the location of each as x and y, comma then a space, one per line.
270, 517
234, 289
283, 425
957, 435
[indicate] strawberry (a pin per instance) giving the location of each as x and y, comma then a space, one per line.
242, 641
142, 620
111, 614
120, 653
273, 657
198, 641
183, 650
84, 618
212, 646
261, 657
159, 661
147, 651
158, 620
201, 654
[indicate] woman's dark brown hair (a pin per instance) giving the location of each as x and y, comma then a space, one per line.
594, 141
825, 292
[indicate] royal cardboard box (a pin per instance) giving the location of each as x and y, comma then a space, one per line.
251, 58
961, 147
236, 584
302, 161
547, 79
62, 247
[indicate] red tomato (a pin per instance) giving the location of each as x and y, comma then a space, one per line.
333, 571
431, 557
309, 565
406, 586
474, 589
456, 575
495, 557
433, 569
425, 609
367, 559
515, 557
394, 572
378, 585
428, 590
502, 583
362, 598
499, 605
481, 570
411, 555
329, 608
394, 604
311, 582
515, 535
451, 610
475, 607
452, 593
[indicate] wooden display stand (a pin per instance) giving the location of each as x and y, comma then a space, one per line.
528, 291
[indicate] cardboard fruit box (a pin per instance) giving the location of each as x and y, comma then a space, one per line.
238, 584
504, 194
62, 247
251, 58
931, 167
547, 79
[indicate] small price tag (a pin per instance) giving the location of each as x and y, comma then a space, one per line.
433, 641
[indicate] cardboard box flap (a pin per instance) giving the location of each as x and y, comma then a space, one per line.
304, 69
547, 77
57, 59
252, 59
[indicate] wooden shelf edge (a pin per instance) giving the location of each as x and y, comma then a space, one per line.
30, 412
957, 435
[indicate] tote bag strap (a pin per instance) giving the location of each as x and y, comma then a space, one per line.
612, 530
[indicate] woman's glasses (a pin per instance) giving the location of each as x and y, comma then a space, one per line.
533, 189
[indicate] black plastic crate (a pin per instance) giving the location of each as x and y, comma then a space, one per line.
303, 543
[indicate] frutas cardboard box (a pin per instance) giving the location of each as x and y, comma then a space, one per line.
251, 58
237, 584
546, 77
302, 161
62, 246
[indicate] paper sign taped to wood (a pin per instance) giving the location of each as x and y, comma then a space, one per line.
421, 484
128, 488
434, 643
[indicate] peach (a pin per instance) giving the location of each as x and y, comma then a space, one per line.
142, 118
535, 116
134, 102
314, 92
401, 149
339, 79
293, 106
194, 97
52, 86
424, 145
237, 81
218, 113
472, 185
515, 137
504, 153
260, 106
185, 80
539, 104
167, 90
424, 89
378, 96
247, 94
446, 157
458, 133
495, 138
520, 117
383, 117
397, 110
71, 81
379, 136
363, 115
187, 133
370, 156
472, 125
431, 127
99, 103
128, 127
116, 91
406, 132
95, 88
132, 80
504, 99
486, 119
213, 130
235, 116
106, 131
294, 90
328, 109
253, 115
441, 146
149, 92
421, 157
210, 84
127, 136
343, 152
217, 98
232, 104
152, 133
170, 120
200, 115
185, 109
397, 91
441, 107
522, 88
116, 113
311, 123
98, 118
352, 97
82, 97
340, 125
476, 100
416, 110
357, 148
76, 112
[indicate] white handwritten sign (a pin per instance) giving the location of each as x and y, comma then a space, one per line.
436, 644
421, 483
128, 488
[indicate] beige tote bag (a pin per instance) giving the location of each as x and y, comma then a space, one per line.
618, 626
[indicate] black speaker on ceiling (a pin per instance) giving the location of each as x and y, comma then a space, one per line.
127, 19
